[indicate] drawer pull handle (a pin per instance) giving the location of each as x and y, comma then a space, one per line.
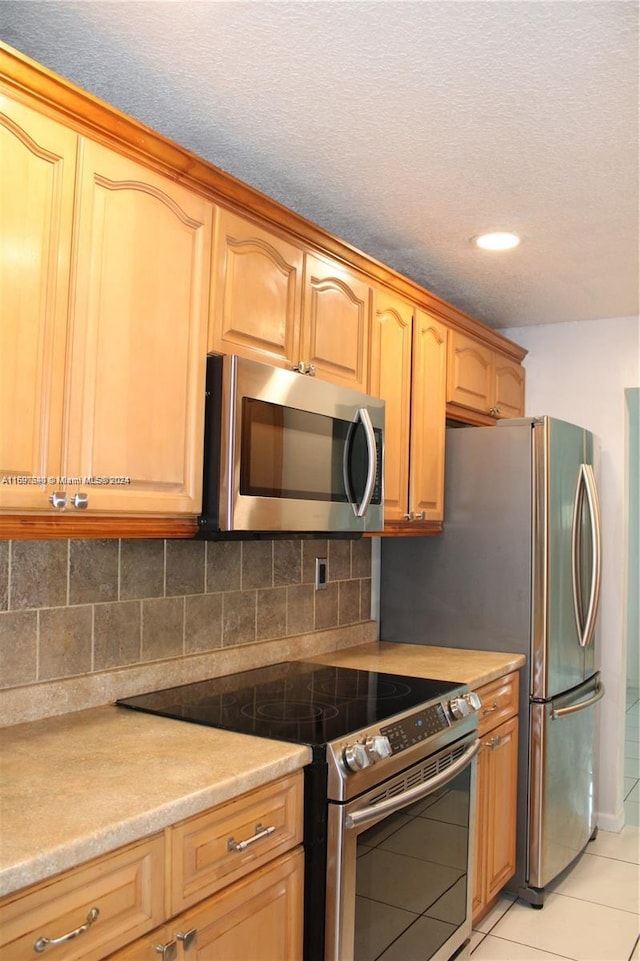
43, 942
233, 845
168, 951
490, 710
188, 938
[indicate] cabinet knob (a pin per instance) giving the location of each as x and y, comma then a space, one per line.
168, 951
303, 368
58, 500
415, 516
495, 412
80, 501
189, 938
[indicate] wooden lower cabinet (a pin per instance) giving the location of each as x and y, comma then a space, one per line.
224, 885
496, 805
256, 919
108, 902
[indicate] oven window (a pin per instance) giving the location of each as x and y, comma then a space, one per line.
411, 877
297, 454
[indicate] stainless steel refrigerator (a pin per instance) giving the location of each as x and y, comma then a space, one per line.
517, 568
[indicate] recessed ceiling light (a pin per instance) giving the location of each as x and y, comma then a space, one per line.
497, 241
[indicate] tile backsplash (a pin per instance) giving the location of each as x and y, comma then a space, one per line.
81, 607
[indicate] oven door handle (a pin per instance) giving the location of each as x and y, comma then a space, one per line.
390, 805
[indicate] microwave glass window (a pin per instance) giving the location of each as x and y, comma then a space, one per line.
298, 454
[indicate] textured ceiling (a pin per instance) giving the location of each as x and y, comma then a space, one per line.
403, 127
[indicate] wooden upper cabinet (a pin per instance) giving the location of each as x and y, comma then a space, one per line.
469, 381
335, 323
483, 380
138, 337
257, 292
426, 490
37, 169
391, 345
408, 371
508, 387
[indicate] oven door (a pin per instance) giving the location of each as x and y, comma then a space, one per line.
398, 863
296, 454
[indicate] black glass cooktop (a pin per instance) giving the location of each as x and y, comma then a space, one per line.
293, 701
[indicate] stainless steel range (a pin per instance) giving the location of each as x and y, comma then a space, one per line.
388, 798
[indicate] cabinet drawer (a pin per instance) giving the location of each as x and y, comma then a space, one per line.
126, 888
214, 849
499, 702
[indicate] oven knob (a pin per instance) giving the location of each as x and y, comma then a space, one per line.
473, 700
459, 707
355, 757
378, 747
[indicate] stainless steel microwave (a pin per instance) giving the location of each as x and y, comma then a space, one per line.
286, 453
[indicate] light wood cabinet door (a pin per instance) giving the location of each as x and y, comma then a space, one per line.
135, 395
408, 371
113, 899
470, 373
483, 380
257, 919
496, 804
257, 293
218, 847
335, 323
508, 400
37, 169
426, 487
502, 775
392, 333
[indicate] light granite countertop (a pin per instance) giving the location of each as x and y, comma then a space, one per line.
474, 668
82, 784
79, 785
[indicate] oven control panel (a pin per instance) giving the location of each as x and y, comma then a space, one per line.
415, 728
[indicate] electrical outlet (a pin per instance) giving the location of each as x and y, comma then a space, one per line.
321, 573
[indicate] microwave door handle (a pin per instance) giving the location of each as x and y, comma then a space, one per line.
362, 415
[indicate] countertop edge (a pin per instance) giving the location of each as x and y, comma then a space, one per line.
22, 875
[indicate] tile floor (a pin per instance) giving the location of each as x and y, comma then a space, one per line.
593, 914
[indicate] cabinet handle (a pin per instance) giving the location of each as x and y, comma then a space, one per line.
42, 942
303, 368
415, 516
233, 845
80, 501
168, 951
495, 411
58, 500
495, 742
189, 938
490, 710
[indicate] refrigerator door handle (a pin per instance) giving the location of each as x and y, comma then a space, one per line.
586, 487
560, 712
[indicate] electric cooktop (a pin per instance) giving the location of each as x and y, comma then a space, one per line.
297, 701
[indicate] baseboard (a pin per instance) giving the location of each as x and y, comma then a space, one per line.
611, 822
